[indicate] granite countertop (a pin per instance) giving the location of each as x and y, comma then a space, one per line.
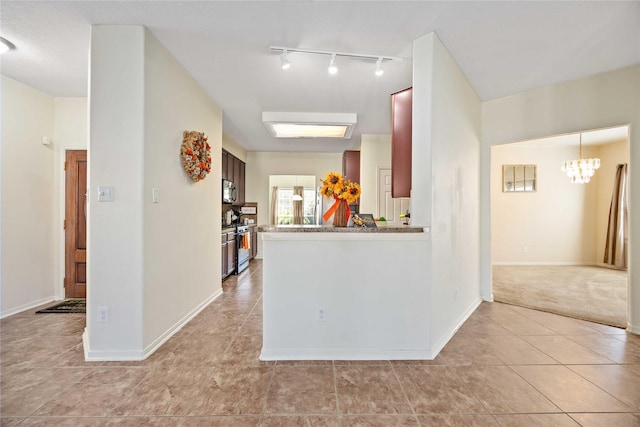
227, 229
332, 229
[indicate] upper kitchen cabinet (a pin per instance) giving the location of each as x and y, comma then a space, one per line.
401, 134
239, 177
351, 165
230, 166
233, 169
224, 157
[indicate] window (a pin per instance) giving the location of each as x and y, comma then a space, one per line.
309, 206
518, 178
285, 206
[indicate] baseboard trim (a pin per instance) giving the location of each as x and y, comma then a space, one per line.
151, 348
27, 306
344, 354
634, 329
437, 347
136, 355
515, 264
108, 355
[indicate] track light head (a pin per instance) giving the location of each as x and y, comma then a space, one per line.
333, 68
284, 62
379, 70
5, 45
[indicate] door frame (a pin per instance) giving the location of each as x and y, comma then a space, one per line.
486, 277
60, 175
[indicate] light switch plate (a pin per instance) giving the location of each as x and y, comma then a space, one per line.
105, 194
155, 195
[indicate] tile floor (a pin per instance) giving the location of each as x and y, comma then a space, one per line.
506, 366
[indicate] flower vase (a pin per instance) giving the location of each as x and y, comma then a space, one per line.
340, 218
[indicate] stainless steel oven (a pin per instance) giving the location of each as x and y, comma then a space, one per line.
243, 247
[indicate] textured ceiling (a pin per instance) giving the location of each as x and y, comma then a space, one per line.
502, 47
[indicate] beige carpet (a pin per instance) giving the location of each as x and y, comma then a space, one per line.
584, 292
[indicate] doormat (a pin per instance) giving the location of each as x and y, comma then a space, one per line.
75, 305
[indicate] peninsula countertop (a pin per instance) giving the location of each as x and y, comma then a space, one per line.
332, 229
345, 293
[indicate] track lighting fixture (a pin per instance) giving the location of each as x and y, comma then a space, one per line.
379, 70
333, 68
284, 62
5, 45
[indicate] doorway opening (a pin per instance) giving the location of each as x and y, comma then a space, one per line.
548, 245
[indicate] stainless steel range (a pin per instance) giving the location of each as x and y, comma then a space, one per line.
243, 245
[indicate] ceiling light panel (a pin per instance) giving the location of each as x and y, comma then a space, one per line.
309, 125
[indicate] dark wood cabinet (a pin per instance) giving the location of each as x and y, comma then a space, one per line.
233, 169
240, 183
223, 251
228, 253
230, 166
351, 165
231, 252
401, 134
238, 179
223, 166
253, 250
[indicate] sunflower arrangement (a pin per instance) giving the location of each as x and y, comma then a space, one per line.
344, 192
334, 185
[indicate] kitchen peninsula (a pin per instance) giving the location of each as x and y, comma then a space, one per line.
333, 293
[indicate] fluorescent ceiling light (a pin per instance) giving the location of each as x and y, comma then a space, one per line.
309, 125
291, 130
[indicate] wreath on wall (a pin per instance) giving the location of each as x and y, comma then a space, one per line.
196, 155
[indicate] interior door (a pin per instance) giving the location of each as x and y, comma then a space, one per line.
75, 283
388, 207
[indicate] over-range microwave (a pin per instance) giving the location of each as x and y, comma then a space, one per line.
229, 192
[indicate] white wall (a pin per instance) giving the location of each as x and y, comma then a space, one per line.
182, 232
260, 165
28, 201
445, 188
233, 147
115, 263
605, 100
375, 153
557, 223
152, 265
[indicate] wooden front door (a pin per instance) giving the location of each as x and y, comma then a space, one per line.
75, 283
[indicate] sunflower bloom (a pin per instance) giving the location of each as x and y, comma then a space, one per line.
335, 181
352, 192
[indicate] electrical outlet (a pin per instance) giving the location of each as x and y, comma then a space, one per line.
455, 294
103, 314
525, 249
321, 314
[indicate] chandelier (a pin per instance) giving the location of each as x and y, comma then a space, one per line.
580, 171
